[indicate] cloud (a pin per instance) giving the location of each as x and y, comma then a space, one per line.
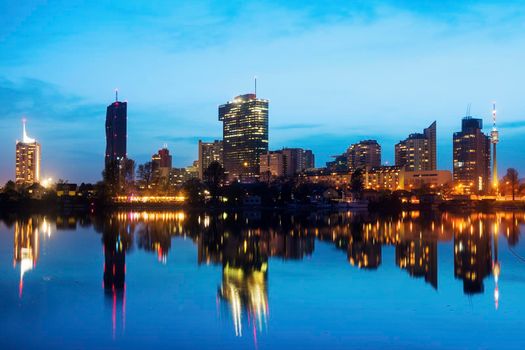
296, 126
517, 124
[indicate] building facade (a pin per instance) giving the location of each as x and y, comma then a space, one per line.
209, 152
418, 151
28, 156
364, 154
471, 156
161, 163
116, 131
245, 136
273, 164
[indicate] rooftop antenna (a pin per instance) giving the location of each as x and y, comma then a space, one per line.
255, 78
468, 110
116, 95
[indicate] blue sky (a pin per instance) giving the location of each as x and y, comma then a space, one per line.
334, 72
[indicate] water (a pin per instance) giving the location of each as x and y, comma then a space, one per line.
263, 281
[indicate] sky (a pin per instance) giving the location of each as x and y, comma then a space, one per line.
335, 73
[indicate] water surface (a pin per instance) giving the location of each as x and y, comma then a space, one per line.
263, 281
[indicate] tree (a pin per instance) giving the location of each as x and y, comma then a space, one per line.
357, 184
511, 180
194, 191
214, 176
145, 174
9, 186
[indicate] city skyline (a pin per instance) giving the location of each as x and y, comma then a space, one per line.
352, 83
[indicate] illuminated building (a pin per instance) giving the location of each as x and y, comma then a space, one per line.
384, 178
413, 180
209, 152
245, 135
418, 151
364, 154
27, 159
419, 258
471, 157
116, 135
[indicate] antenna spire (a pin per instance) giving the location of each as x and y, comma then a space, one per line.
255, 78
116, 95
494, 115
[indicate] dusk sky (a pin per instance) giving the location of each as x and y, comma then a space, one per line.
335, 73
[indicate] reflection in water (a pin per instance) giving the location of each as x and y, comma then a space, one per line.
116, 239
26, 244
243, 244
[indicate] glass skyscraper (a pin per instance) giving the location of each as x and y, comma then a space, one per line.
245, 135
116, 132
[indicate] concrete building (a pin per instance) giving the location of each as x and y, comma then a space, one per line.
209, 152
418, 151
28, 158
364, 154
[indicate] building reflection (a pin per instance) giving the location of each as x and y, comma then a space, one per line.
244, 244
26, 248
472, 254
419, 259
116, 240
26, 244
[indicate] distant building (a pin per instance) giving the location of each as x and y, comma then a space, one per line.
340, 163
161, 163
27, 159
116, 131
384, 178
432, 178
418, 151
245, 135
286, 162
209, 152
273, 164
471, 157
364, 154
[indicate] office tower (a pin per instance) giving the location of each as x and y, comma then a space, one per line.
245, 135
418, 151
471, 157
27, 159
209, 152
116, 132
364, 154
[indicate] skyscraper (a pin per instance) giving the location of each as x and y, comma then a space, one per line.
418, 151
209, 152
161, 165
364, 154
27, 159
471, 157
245, 135
116, 131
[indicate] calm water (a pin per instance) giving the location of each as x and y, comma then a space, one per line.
261, 281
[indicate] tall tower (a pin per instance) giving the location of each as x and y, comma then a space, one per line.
27, 159
245, 135
116, 133
494, 139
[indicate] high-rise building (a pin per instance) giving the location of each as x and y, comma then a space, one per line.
116, 132
27, 159
297, 160
245, 135
418, 151
364, 154
209, 152
471, 157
